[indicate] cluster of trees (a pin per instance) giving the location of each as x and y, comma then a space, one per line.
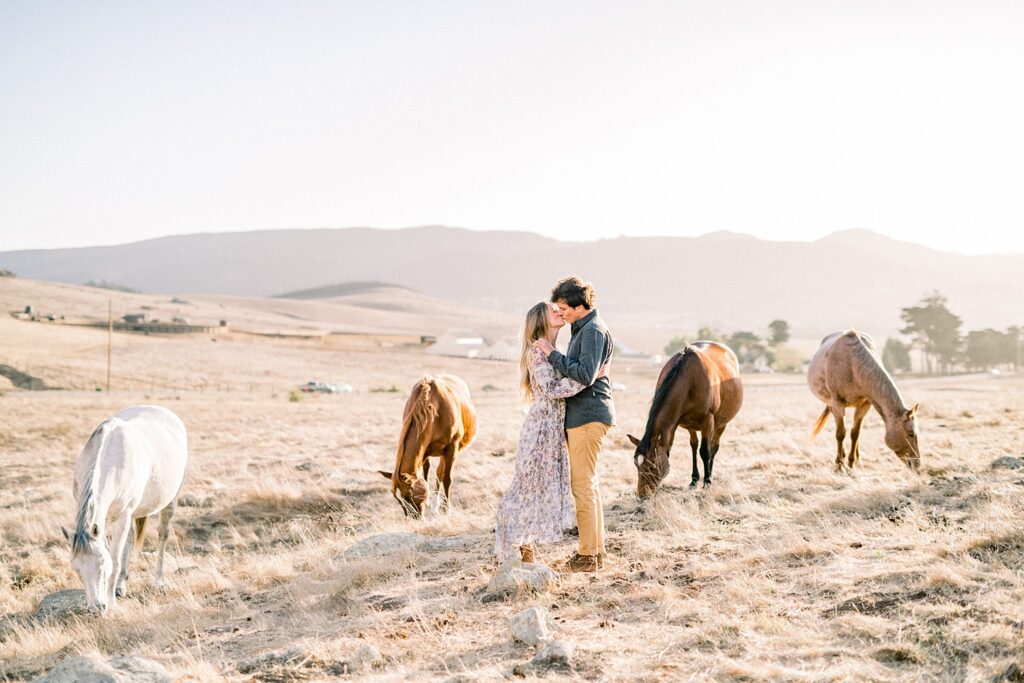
935, 334
752, 350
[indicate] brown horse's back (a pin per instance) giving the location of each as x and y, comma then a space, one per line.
460, 414
720, 387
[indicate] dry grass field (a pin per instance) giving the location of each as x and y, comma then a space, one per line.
782, 570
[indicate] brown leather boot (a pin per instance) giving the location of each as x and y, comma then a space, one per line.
582, 563
527, 553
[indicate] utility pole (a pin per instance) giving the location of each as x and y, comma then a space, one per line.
110, 338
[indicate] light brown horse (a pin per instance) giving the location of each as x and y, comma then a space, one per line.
845, 371
439, 420
700, 390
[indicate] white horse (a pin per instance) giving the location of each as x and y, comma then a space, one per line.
133, 466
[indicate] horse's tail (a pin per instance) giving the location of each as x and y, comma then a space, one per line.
140, 530
420, 416
820, 424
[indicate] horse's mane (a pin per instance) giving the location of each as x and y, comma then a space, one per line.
423, 413
880, 382
86, 505
660, 393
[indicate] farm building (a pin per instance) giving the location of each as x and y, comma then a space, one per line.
458, 343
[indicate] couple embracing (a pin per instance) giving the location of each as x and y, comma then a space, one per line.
570, 413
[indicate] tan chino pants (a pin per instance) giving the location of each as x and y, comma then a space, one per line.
584, 444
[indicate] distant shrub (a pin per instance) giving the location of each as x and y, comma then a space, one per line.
385, 390
117, 287
294, 396
676, 344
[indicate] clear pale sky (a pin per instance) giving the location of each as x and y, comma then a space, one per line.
579, 120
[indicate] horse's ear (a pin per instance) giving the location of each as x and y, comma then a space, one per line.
635, 441
913, 411
386, 475
67, 534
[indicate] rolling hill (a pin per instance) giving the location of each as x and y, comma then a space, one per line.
853, 278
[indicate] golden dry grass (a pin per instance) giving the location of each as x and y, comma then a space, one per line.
782, 570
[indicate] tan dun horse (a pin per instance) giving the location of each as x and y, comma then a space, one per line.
439, 420
700, 390
845, 371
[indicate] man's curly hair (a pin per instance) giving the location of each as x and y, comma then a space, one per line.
574, 292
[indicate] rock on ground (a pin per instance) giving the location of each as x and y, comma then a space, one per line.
94, 669
61, 604
383, 544
556, 655
367, 657
533, 626
513, 579
386, 544
1008, 462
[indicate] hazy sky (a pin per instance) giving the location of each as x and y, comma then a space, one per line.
579, 120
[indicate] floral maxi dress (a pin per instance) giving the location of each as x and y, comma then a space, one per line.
538, 506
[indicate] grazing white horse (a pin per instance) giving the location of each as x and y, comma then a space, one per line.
133, 466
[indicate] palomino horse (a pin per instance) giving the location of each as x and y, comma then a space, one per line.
439, 420
699, 390
845, 371
132, 466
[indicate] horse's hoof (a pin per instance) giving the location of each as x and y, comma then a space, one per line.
693, 484
707, 484
121, 591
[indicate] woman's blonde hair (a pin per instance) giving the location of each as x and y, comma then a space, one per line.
534, 327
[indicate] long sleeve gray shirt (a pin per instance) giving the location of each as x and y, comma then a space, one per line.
590, 347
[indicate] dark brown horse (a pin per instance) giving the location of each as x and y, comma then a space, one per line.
846, 372
439, 420
700, 390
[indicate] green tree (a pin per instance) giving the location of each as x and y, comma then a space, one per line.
896, 355
1013, 346
676, 344
780, 332
935, 330
707, 333
985, 348
748, 347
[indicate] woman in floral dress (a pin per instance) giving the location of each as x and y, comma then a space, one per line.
538, 507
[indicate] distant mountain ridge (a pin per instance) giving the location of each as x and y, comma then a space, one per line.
340, 289
853, 278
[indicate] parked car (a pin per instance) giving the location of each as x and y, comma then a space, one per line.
316, 386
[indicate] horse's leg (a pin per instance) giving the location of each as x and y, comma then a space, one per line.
444, 473
858, 417
694, 472
121, 587
165, 532
121, 535
426, 470
838, 410
715, 441
707, 431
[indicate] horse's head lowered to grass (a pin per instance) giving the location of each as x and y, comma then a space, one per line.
410, 491
652, 464
91, 559
901, 436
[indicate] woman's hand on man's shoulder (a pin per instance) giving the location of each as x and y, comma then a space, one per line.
544, 346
